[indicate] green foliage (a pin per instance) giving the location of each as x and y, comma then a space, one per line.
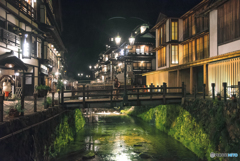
17, 106
65, 132
79, 120
202, 126
59, 84
43, 87
48, 101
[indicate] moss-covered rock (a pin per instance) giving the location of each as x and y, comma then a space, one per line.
89, 155
179, 124
66, 130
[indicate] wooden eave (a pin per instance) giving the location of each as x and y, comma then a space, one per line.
195, 36
211, 7
165, 44
199, 5
161, 22
198, 62
158, 25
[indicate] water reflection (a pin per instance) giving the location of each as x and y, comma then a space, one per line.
123, 138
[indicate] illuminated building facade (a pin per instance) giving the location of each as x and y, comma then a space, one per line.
30, 36
139, 55
200, 47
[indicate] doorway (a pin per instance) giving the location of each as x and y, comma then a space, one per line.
199, 71
29, 85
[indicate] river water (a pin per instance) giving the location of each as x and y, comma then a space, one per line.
123, 138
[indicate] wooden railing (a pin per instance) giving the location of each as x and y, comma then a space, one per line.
24, 7
9, 37
151, 91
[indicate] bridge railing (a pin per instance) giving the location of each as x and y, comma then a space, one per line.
133, 92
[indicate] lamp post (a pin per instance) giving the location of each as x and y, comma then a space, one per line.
131, 42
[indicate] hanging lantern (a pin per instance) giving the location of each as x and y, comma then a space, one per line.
118, 40
131, 40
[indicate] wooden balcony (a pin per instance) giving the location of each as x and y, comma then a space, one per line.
24, 7
49, 5
9, 38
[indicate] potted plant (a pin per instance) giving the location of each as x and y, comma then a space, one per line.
15, 110
234, 98
48, 102
219, 96
43, 90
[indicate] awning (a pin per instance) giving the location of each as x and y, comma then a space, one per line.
10, 58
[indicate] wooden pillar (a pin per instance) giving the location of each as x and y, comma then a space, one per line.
138, 102
205, 78
62, 95
1, 107
204, 91
213, 91
195, 91
178, 80
58, 98
164, 92
35, 102
23, 94
225, 91
191, 80
239, 91
151, 86
53, 99
183, 89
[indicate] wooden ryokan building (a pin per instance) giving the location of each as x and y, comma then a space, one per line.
200, 47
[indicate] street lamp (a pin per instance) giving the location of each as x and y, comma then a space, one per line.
90, 67
118, 40
131, 42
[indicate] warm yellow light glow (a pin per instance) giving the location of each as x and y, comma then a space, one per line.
131, 40
143, 29
9, 65
118, 40
119, 64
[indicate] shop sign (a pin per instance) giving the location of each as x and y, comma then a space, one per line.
44, 69
26, 47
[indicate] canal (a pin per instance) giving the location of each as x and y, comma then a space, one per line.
115, 137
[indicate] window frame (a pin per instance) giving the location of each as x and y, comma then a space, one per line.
174, 21
176, 54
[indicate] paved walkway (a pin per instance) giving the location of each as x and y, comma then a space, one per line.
28, 106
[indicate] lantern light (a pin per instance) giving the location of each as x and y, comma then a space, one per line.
118, 40
131, 40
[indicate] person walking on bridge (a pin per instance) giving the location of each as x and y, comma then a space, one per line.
116, 85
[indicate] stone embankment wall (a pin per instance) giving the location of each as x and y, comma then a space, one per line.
43, 141
201, 126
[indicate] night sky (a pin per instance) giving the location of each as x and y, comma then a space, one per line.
87, 28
